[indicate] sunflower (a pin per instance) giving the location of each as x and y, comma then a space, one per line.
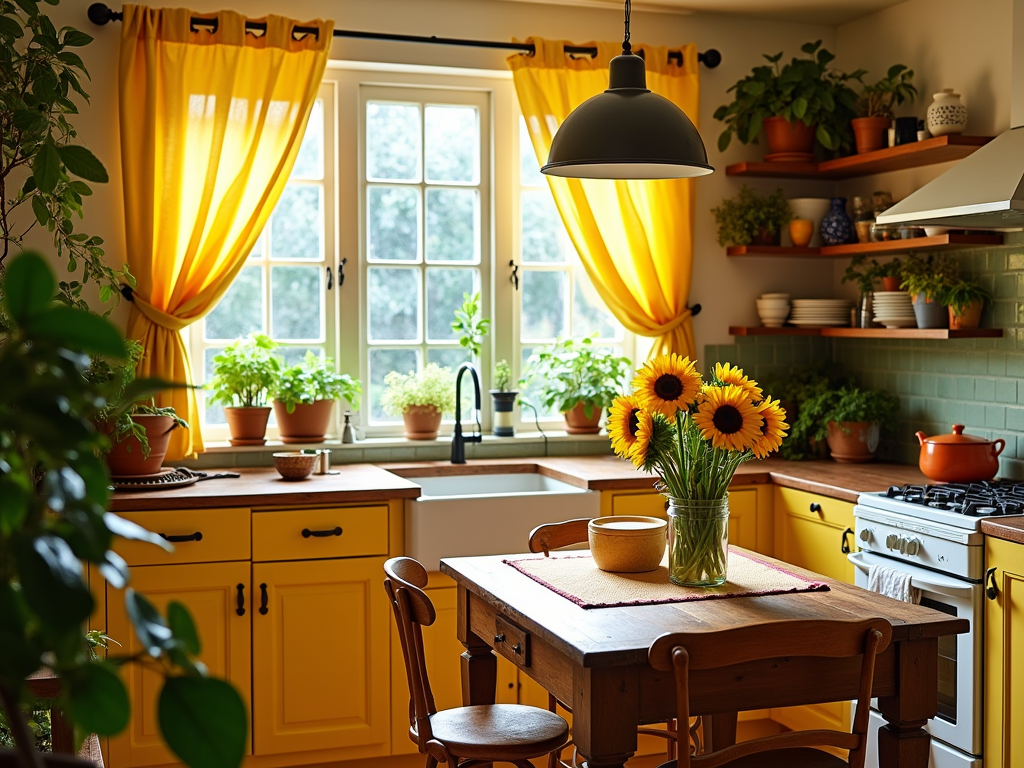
731, 374
622, 425
773, 428
666, 384
728, 419
641, 447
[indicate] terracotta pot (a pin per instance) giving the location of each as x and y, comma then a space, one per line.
890, 284
578, 423
789, 142
125, 457
869, 133
766, 236
959, 458
969, 318
306, 424
856, 446
421, 422
248, 426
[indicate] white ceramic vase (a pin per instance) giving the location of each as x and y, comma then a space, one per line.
946, 114
813, 208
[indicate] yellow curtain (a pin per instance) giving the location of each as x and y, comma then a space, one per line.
211, 123
635, 238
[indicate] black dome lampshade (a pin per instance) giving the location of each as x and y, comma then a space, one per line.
627, 132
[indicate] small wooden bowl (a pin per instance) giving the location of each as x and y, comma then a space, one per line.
627, 543
293, 465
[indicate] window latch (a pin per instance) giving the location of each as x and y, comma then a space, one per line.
341, 272
330, 278
515, 274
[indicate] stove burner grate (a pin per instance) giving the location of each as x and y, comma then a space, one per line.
987, 498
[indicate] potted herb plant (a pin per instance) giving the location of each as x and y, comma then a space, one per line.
794, 104
304, 396
750, 218
578, 378
421, 399
244, 372
875, 107
851, 419
965, 300
926, 279
889, 274
503, 399
471, 329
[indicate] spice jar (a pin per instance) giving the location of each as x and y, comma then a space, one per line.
863, 218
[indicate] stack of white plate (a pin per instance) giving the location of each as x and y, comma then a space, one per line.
893, 309
820, 312
773, 309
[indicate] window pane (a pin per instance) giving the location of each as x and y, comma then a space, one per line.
589, 314
257, 249
214, 413
393, 217
240, 311
445, 289
453, 225
392, 142
382, 362
531, 395
309, 162
529, 168
544, 305
453, 144
293, 355
453, 357
542, 228
295, 301
296, 224
394, 304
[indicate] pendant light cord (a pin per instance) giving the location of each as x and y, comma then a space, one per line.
626, 48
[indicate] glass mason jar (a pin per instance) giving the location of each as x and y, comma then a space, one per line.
698, 541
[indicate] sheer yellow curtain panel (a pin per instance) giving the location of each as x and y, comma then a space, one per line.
211, 122
635, 238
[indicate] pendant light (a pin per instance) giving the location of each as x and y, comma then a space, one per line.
627, 132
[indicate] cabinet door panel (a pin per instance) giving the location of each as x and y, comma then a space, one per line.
210, 593
1004, 670
322, 654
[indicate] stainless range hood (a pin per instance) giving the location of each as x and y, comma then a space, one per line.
983, 191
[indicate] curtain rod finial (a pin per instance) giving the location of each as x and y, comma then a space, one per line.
100, 14
710, 58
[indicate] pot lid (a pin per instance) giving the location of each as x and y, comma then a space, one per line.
957, 438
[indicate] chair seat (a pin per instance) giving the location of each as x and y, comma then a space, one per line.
507, 731
803, 757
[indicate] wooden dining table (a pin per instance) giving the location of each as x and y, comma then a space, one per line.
595, 659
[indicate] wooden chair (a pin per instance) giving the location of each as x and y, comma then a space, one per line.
545, 538
462, 737
681, 653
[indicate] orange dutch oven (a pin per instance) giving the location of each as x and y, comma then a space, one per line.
959, 458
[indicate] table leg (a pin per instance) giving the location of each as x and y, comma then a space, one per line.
605, 715
903, 742
479, 664
719, 731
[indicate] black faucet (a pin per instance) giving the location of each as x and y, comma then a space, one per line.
458, 441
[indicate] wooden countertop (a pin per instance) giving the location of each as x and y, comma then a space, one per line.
1010, 529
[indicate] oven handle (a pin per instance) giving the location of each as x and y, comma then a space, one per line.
943, 588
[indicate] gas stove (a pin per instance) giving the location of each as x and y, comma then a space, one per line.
961, 505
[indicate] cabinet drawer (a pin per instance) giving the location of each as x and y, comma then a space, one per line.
644, 504
198, 536
814, 506
307, 534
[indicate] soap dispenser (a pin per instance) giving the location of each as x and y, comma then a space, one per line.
348, 434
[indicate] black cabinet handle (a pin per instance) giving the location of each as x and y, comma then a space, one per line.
240, 610
330, 278
991, 591
341, 272
263, 600
177, 539
306, 533
845, 546
815, 507
499, 639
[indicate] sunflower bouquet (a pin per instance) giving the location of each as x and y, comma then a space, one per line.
694, 434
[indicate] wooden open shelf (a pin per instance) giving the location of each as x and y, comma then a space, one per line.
939, 149
868, 333
937, 243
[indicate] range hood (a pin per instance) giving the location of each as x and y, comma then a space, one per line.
983, 191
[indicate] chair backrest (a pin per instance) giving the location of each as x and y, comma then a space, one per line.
550, 536
404, 582
683, 651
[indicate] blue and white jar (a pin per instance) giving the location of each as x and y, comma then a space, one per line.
837, 226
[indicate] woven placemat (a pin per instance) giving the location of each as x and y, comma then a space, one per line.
576, 578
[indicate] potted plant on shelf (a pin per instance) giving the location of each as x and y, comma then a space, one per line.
794, 104
750, 218
965, 301
875, 107
889, 273
244, 372
421, 399
578, 378
304, 397
851, 419
503, 400
927, 279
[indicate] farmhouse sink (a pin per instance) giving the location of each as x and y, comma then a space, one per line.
490, 514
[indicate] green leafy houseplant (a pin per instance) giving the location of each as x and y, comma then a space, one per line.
929, 275
502, 376
835, 413
879, 99
54, 491
315, 379
801, 385
574, 372
470, 328
865, 273
245, 372
750, 217
962, 294
433, 385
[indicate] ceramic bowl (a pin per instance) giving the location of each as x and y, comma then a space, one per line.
627, 543
781, 296
292, 465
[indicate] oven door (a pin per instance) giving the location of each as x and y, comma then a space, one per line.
958, 722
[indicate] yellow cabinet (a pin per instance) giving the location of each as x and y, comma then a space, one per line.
1004, 667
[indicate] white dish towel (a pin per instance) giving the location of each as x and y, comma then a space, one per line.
892, 583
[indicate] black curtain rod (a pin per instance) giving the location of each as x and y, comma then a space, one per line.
100, 14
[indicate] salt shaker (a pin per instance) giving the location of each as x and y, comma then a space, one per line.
323, 462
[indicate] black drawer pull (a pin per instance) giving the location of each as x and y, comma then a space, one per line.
306, 533
177, 539
263, 600
815, 507
240, 610
991, 591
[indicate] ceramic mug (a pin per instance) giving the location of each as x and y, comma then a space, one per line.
801, 231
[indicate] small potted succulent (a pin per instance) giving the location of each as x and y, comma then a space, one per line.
503, 399
421, 399
750, 218
304, 397
578, 378
244, 373
851, 419
875, 107
927, 279
965, 301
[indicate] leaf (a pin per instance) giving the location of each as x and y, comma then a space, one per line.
114, 569
724, 139
825, 138
29, 287
40, 210
46, 167
204, 722
75, 39
800, 107
28, 6
51, 578
81, 162
14, 505
98, 699
183, 628
10, 28
150, 627
71, 59
81, 330
126, 529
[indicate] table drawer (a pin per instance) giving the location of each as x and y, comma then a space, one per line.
643, 504
198, 536
307, 534
814, 506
